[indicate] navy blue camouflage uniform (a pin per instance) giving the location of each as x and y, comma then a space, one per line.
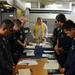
70, 62
56, 32
6, 62
12, 39
21, 36
64, 42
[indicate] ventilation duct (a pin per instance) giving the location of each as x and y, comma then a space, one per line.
17, 3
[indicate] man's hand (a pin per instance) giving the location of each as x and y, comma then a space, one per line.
62, 70
36, 39
56, 49
24, 45
43, 39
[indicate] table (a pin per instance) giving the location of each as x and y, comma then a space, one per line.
36, 69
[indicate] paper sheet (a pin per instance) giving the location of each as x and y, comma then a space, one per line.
48, 55
28, 51
33, 62
30, 46
24, 72
42, 44
52, 61
48, 51
30, 54
28, 62
51, 64
44, 55
24, 62
46, 46
34, 44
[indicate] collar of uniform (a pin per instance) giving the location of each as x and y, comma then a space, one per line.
58, 28
73, 41
61, 30
3, 38
74, 38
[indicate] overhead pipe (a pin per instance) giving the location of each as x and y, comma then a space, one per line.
17, 3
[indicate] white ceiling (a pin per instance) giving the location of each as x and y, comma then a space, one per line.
49, 0
46, 0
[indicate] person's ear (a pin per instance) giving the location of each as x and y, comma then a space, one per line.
72, 29
4, 28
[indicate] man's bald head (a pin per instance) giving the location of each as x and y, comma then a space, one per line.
23, 19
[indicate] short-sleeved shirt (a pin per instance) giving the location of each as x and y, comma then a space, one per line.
21, 35
56, 32
12, 39
61, 37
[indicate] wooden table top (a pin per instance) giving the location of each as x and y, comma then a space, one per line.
36, 69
